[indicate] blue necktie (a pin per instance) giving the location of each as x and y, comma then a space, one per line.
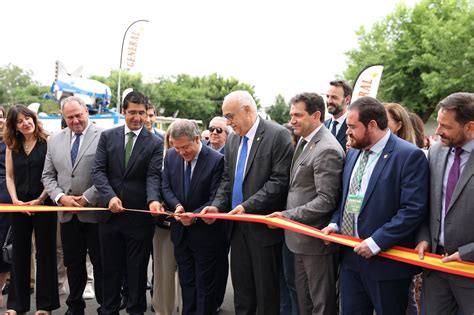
187, 179
75, 148
237, 194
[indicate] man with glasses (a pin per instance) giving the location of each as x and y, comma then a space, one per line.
218, 134
255, 180
127, 175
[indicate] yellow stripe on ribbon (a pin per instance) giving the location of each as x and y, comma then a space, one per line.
398, 253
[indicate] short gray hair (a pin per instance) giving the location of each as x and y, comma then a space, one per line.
227, 129
183, 127
243, 97
73, 99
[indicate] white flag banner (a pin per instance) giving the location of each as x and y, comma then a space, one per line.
367, 82
133, 41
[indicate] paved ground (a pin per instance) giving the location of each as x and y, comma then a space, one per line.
227, 307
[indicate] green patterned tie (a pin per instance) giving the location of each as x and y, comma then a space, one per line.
348, 218
128, 147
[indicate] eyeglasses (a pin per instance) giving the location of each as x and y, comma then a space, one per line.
218, 129
134, 112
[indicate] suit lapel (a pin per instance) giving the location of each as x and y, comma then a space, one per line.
201, 165
467, 173
86, 142
381, 162
119, 144
440, 160
66, 141
306, 153
138, 147
342, 131
255, 145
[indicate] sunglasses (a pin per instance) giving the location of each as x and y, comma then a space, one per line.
218, 129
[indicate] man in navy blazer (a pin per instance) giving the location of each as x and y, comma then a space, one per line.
338, 99
384, 200
127, 175
191, 175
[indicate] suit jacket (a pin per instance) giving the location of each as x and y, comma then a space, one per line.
138, 184
60, 176
394, 206
204, 183
266, 177
315, 188
341, 134
459, 219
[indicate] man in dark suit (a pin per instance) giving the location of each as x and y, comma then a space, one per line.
315, 188
338, 98
191, 176
255, 180
219, 131
384, 200
448, 228
68, 181
127, 175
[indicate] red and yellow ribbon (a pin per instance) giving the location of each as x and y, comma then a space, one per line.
398, 253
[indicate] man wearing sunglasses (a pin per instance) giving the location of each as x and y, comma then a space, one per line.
219, 132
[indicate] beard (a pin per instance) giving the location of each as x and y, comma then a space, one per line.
335, 108
360, 143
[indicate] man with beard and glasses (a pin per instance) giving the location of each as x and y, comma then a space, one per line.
384, 201
338, 99
448, 228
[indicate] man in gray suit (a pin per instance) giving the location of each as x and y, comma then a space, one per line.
315, 187
67, 179
255, 181
448, 229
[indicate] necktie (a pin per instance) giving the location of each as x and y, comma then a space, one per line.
187, 179
298, 151
453, 177
75, 148
334, 125
129, 147
237, 194
348, 218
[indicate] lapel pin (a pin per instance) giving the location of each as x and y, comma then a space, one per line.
258, 139
385, 156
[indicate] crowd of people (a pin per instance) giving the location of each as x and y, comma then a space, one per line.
367, 172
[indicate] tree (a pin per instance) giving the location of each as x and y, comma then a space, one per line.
18, 87
127, 80
279, 111
426, 50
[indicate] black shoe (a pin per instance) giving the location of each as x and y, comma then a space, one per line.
152, 308
71, 312
123, 302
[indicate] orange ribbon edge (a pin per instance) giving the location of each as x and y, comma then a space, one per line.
398, 253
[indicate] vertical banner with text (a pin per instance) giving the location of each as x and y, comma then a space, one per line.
367, 82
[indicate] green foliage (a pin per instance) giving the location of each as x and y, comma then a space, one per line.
279, 111
193, 97
426, 50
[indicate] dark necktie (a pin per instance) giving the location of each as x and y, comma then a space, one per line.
129, 147
237, 194
334, 125
348, 218
453, 177
75, 148
187, 179
299, 150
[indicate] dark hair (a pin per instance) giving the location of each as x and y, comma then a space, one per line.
419, 128
312, 103
345, 86
150, 106
2, 109
370, 109
13, 138
135, 97
462, 104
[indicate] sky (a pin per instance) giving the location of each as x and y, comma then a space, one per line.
280, 47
